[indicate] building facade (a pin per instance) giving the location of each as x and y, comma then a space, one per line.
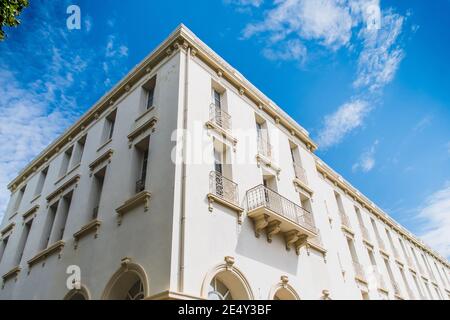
186, 182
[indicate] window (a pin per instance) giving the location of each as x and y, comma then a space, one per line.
217, 98
49, 226
391, 276
142, 150
3, 244
19, 198
79, 149
264, 147
218, 291
402, 273
23, 240
149, 93
67, 155
41, 181
339, 202
417, 286
97, 188
110, 122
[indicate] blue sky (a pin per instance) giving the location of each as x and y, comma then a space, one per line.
376, 99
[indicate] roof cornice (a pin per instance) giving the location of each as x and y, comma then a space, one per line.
352, 192
180, 38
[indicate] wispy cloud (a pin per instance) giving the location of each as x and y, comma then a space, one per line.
435, 214
361, 26
423, 123
39, 102
348, 117
366, 161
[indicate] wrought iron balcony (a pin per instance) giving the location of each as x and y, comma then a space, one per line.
274, 213
300, 173
223, 187
140, 185
219, 117
359, 271
264, 147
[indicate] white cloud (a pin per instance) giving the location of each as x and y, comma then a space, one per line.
88, 23
293, 50
436, 217
245, 3
366, 161
347, 118
359, 25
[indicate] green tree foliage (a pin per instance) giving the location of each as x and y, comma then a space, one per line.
9, 11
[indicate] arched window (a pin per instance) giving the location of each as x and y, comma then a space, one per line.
218, 291
128, 283
77, 294
284, 294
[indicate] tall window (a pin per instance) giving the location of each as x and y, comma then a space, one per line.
142, 150
66, 156
97, 189
62, 214
110, 123
23, 240
217, 99
419, 289
19, 198
79, 149
149, 93
41, 181
3, 244
49, 225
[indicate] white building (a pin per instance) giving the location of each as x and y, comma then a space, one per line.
239, 207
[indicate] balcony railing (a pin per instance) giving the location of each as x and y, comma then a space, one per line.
220, 117
140, 185
359, 270
300, 173
365, 233
344, 219
223, 187
264, 147
260, 196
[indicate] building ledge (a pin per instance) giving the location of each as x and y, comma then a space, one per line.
67, 173
171, 295
361, 280
101, 159
91, 227
68, 184
13, 273
300, 184
294, 234
347, 230
8, 229
214, 198
143, 115
224, 133
386, 291
384, 253
104, 144
268, 163
319, 248
368, 243
53, 249
30, 213
140, 199
141, 129
399, 297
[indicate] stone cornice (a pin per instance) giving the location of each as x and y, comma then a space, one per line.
364, 202
101, 159
69, 183
180, 39
30, 212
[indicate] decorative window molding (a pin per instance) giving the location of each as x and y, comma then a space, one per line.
144, 127
144, 114
105, 157
261, 159
302, 187
57, 247
13, 273
214, 198
7, 230
104, 144
72, 182
140, 199
30, 214
91, 227
347, 231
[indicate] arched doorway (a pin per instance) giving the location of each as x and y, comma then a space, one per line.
128, 283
